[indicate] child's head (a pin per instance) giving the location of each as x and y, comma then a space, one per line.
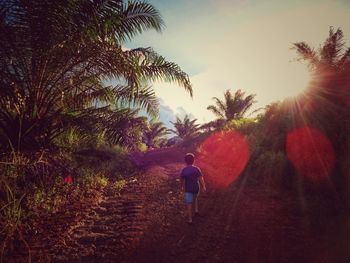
189, 158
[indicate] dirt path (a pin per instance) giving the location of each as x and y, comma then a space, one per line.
243, 223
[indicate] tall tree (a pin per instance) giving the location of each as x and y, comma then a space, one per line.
185, 128
155, 133
56, 55
233, 107
330, 66
326, 102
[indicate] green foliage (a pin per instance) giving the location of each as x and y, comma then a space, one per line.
243, 125
11, 212
45, 200
32, 185
215, 125
13, 172
233, 107
323, 106
52, 75
154, 135
119, 185
112, 161
326, 102
270, 169
92, 180
271, 163
142, 147
74, 138
58, 117
185, 128
191, 144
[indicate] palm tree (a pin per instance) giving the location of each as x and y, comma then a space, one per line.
233, 107
326, 102
154, 135
332, 55
212, 125
330, 66
56, 55
185, 128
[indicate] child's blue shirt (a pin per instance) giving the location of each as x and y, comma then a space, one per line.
191, 175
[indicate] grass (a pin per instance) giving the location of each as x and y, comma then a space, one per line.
32, 186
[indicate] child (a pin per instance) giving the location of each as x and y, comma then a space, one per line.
191, 176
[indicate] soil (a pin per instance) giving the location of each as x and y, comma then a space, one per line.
241, 223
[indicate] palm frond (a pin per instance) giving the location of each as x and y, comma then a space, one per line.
145, 99
185, 127
56, 55
138, 17
149, 65
306, 53
333, 46
233, 107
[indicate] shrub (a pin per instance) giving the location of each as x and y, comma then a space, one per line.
119, 185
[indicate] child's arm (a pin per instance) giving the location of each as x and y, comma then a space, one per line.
182, 184
201, 180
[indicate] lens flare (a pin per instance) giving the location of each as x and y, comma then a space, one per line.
311, 152
222, 157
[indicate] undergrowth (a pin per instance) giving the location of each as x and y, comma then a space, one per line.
33, 186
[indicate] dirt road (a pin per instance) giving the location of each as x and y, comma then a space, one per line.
241, 223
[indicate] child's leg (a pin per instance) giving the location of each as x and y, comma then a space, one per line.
189, 202
195, 203
189, 212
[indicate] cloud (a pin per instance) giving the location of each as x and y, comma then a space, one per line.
182, 113
168, 115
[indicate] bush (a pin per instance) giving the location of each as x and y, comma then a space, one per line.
119, 185
142, 147
245, 125
113, 162
33, 185
269, 169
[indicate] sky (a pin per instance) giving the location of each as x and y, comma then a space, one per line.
238, 44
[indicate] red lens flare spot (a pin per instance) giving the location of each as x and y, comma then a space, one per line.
222, 157
311, 152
